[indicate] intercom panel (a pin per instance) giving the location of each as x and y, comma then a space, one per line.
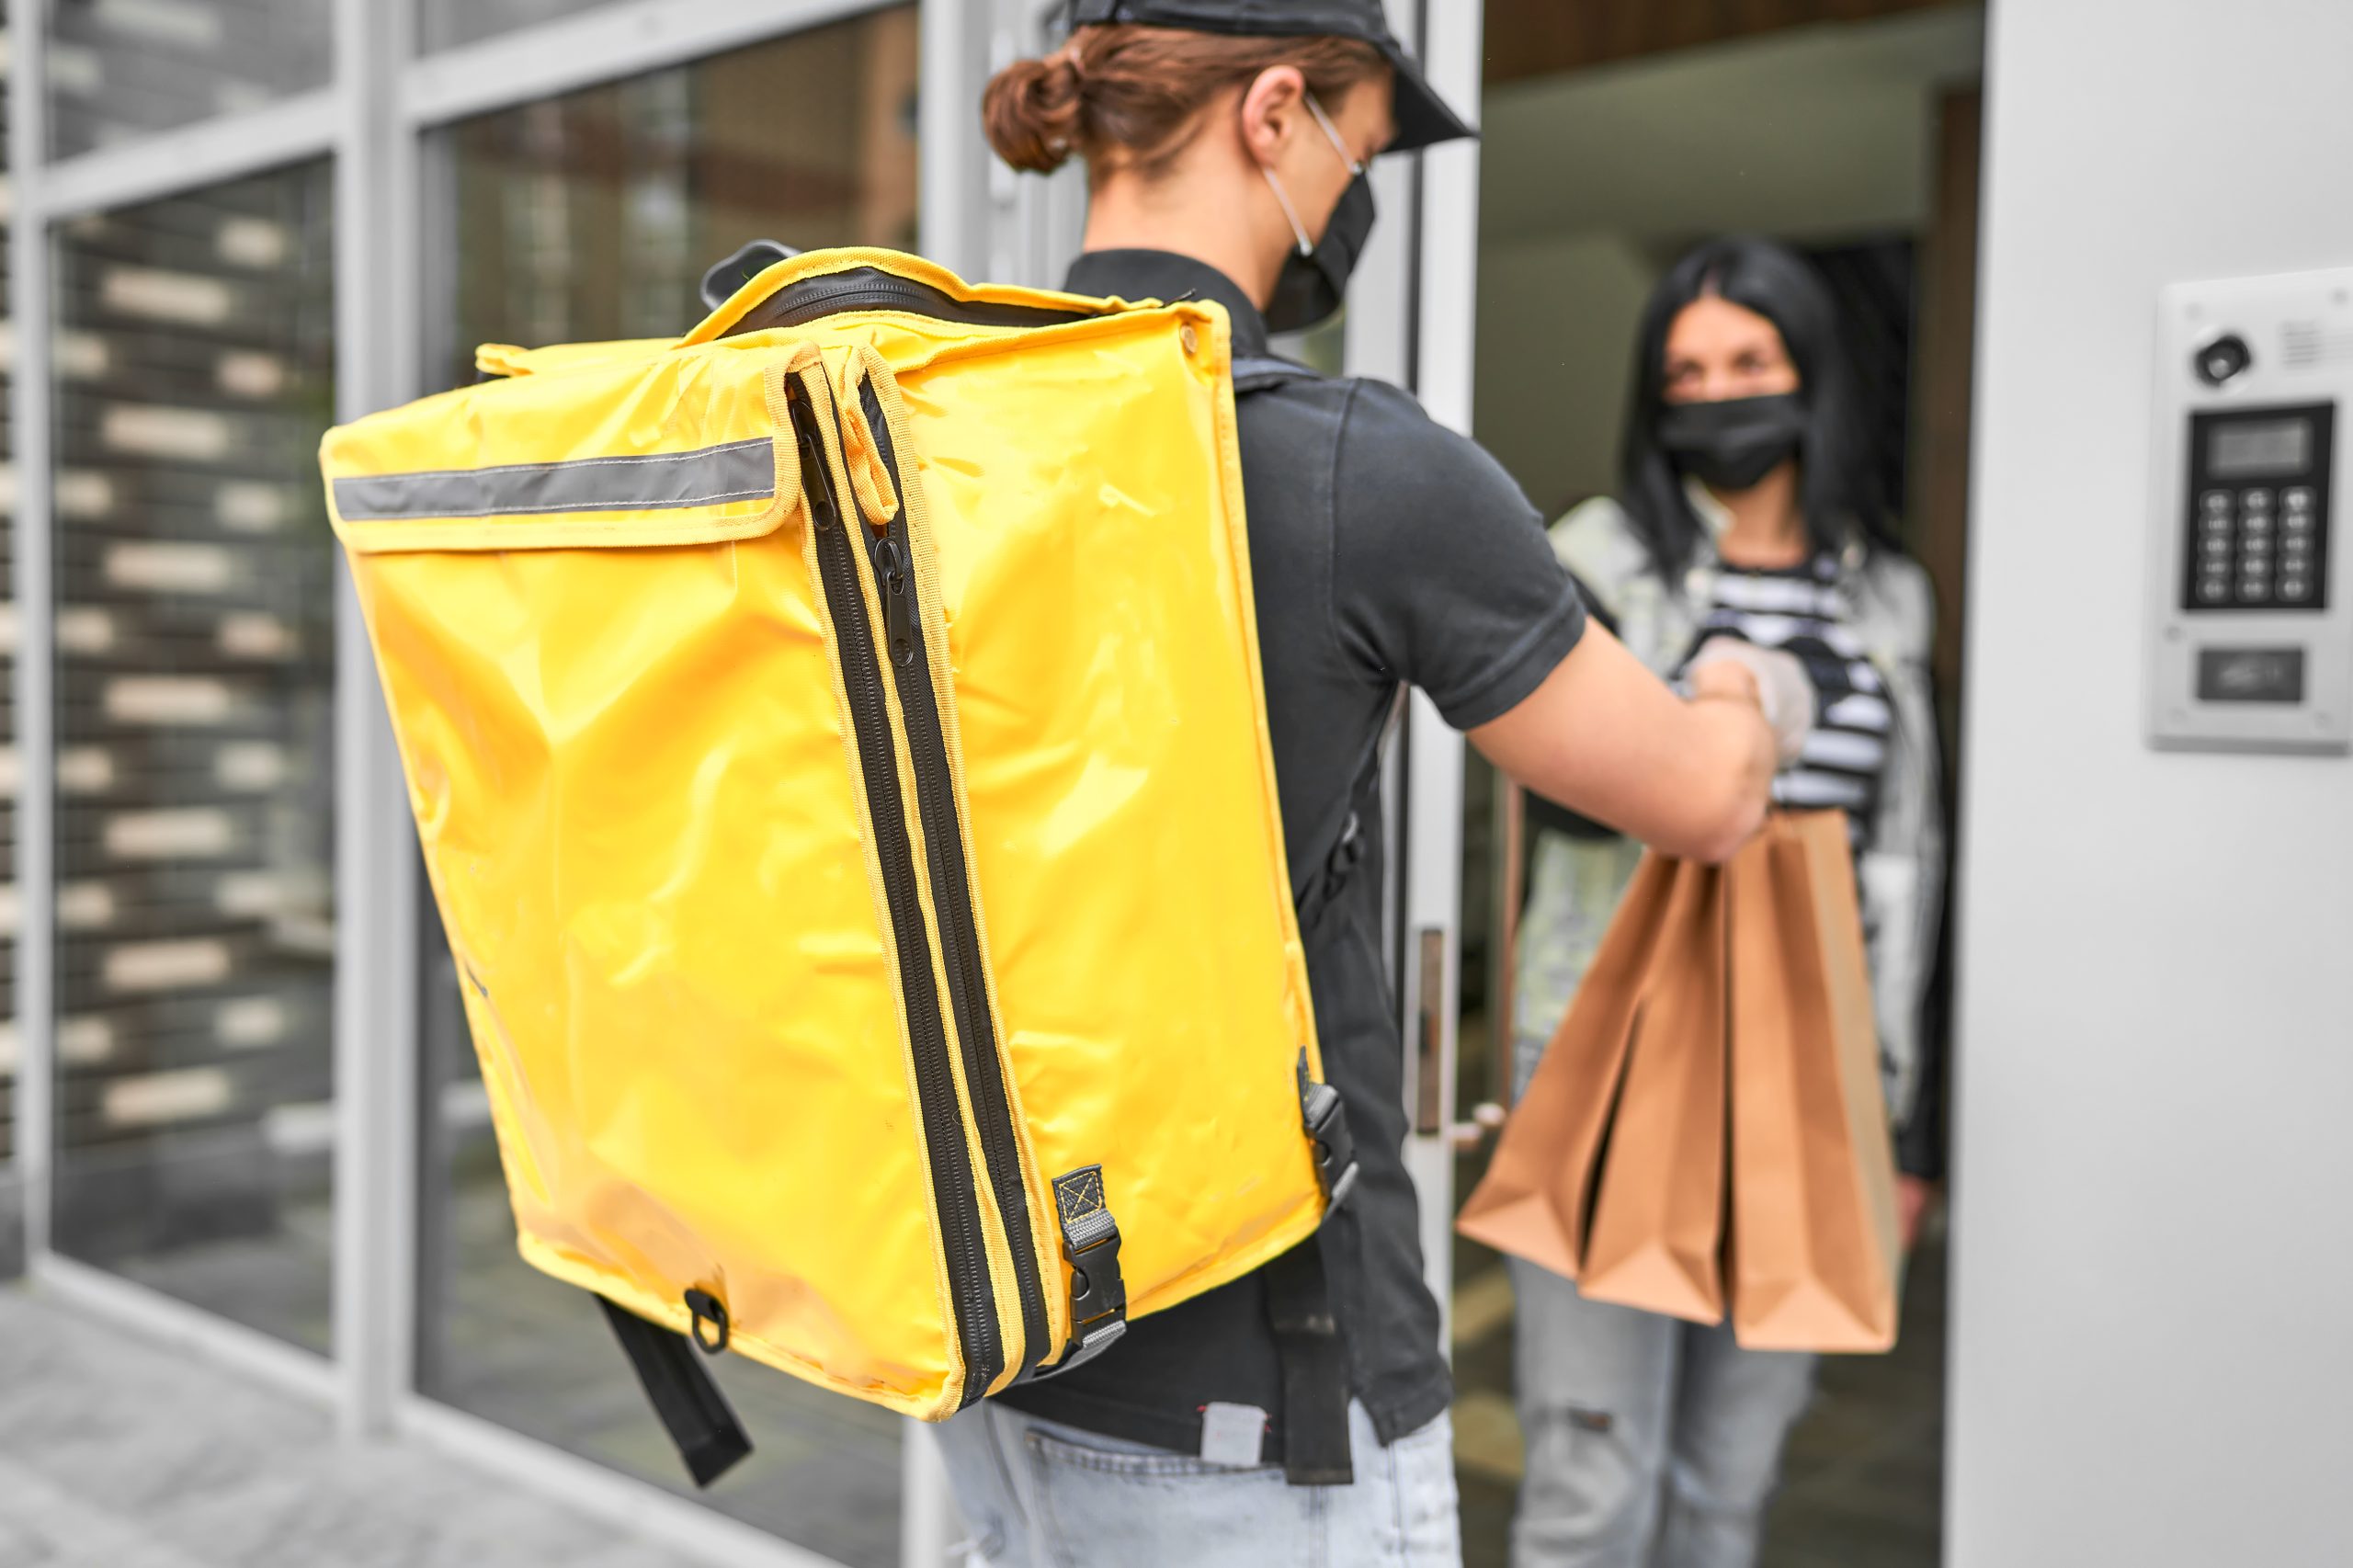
2251, 582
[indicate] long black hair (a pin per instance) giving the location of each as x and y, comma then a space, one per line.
1839, 488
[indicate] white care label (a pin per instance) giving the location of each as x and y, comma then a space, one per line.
1232, 1434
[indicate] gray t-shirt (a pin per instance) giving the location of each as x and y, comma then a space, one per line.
1384, 550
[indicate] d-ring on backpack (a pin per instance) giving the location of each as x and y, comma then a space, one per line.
837, 744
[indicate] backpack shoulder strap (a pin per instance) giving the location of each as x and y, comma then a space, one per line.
1256, 372
687, 1398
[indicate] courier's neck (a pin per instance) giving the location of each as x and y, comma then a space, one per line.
1191, 218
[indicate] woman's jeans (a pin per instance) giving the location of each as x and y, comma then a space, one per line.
1038, 1495
1652, 1442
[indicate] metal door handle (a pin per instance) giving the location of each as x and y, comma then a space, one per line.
1429, 1066
1486, 1121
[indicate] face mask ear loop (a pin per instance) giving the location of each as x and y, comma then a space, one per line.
1299, 233
1332, 134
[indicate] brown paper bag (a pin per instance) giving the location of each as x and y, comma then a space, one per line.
1813, 1254
1658, 1219
1536, 1199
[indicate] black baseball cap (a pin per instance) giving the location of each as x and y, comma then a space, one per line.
1422, 116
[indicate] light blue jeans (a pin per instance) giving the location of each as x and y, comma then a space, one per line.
1038, 1495
1652, 1442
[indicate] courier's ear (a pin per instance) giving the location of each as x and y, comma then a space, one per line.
1274, 108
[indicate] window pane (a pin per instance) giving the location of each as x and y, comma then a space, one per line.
445, 24
593, 216
119, 70
195, 742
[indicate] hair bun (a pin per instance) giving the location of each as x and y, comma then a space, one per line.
1032, 109
1130, 97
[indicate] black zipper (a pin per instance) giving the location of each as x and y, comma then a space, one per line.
871, 289
971, 1291
951, 891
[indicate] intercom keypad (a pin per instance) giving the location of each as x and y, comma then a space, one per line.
2259, 522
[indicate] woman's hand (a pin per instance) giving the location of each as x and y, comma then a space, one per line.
1777, 684
1912, 1195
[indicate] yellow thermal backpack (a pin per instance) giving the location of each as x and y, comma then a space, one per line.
837, 744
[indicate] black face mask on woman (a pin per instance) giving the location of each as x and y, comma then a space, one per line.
1315, 277
1731, 444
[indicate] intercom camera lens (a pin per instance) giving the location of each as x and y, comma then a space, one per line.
2224, 359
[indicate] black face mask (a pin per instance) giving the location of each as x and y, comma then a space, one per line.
1309, 289
1732, 444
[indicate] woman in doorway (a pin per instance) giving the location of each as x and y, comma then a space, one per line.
1747, 510
1225, 143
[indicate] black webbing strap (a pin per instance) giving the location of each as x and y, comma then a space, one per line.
1323, 887
696, 1415
1299, 1309
1256, 372
1315, 1369
1326, 883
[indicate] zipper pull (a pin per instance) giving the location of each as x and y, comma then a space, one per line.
821, 495
869, 477
898, 599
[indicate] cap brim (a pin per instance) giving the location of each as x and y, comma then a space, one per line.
1423, 117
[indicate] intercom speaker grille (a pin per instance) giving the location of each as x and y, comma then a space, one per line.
2311, 344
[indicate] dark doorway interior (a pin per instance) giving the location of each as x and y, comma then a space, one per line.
1617, 133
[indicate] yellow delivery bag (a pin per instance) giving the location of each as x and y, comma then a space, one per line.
837, 744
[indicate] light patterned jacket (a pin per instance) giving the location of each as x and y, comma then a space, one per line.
1576, 883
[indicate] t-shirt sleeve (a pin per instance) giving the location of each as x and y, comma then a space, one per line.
1442, 575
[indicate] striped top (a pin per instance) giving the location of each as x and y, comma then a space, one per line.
1800, 610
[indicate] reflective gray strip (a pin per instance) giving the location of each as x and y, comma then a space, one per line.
740, 471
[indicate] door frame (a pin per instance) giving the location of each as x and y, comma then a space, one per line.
1424, 341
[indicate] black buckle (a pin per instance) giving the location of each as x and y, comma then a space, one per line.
1326, 1122
1347, 851
1098, 1291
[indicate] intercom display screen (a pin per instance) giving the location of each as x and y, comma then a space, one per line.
2245, 450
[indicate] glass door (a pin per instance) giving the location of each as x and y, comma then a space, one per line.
592, 216
194, 730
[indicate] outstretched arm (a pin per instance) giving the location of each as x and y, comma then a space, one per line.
1606, 738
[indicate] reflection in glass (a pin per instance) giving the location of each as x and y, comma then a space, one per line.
593, 216
445, 24
195, 738
1486, 1458
121, 70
